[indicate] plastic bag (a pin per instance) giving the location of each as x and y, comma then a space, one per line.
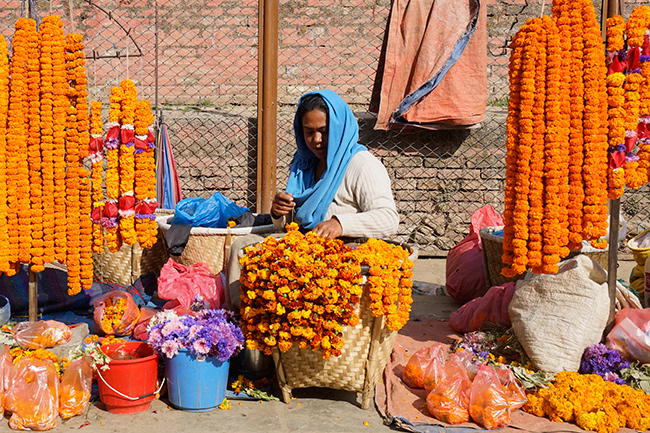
464, 266
413, 374
42, 334
211, 212
180, 285
488, 404
140, 331
33, 395
515, 393
449, 400
631, 334
74, 390
434, 372
5, 374
116, 313
492, 307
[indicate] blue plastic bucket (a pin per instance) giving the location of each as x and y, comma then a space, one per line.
195, 385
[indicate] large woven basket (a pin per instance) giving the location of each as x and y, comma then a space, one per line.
363, 358
493, 250
131, 262
210, 245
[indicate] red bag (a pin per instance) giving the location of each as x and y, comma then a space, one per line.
413, 374
180, 284
492, 307
140, 331
631, 334
116, 313
488, 404
449, 400
464, 267
74, 390
42, 334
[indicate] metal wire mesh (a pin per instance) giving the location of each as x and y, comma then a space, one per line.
197, 59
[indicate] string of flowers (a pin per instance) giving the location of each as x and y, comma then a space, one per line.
16, 136
616, 135
72, 173
34, 203
127, 162
112, 143
643, 128
145, 176
97, 162
4, 113
299, 289
389, 283
595, 213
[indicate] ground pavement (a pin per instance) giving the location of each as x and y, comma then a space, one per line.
313, 410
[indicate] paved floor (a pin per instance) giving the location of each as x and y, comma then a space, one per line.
313, 410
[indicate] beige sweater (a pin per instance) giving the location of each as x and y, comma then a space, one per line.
364, 203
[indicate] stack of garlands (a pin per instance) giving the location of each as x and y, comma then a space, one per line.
44, 189
304, 289
628, 82
556, 192
129, 211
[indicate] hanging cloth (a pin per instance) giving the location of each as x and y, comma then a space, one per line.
168, 190
433, 68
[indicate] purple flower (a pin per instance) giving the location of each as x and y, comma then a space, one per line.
608, 363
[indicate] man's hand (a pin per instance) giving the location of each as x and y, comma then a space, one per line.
282, 204
329, 229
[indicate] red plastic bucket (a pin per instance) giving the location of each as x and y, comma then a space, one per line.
129, 384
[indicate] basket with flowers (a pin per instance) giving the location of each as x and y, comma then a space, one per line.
328, 323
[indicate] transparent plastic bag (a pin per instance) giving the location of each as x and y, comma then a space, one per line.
42, 334
631, 334
449, 400
413, 374
515, 393
74, 390
5, 371
33, 397
434, 372
488, 403
116, 313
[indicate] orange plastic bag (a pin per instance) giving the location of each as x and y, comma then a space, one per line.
488, 404
116, 313
434, 373
413, 374
42, 334
515, 393
33, 395
449, 400
74, 390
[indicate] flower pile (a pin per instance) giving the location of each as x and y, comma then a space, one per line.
592, 403
114, 309
607, 363
556, 192
208, 333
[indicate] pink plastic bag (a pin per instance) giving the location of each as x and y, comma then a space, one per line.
180, 284
631, 334
464, 267
492, 307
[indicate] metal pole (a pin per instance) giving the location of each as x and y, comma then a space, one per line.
267, 148
260, 101
156, 54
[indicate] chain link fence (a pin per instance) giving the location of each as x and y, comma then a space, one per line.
197, 60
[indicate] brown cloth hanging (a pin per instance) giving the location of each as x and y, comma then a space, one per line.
432, 71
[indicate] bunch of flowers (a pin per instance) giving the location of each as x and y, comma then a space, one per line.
608, 363
113, 311
4, 111
300, 289
208, 333
591, 402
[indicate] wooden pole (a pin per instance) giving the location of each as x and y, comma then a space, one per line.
266, 156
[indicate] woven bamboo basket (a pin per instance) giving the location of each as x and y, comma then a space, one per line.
493, 250
131, 262
363, 358
210, 245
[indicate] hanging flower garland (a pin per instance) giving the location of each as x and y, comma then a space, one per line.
4, 113
145, 176
97, 161
112, 144
73, 42
616, 135
643, 128
127, 163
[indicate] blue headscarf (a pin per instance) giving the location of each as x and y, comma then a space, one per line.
313, 199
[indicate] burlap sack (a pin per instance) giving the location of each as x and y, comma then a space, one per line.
556, 317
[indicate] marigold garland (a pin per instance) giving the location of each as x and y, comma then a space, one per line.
127, 162
616, 135
97, 163
615, 31
112, 144
4, 113
145, 176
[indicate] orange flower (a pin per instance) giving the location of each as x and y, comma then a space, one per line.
145, 177
127, 162
615, 30
97, 161
4, 113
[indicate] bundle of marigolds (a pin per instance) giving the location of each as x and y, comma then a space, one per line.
304, 289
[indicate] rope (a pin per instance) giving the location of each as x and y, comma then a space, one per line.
541, 14
71, 14
126, 396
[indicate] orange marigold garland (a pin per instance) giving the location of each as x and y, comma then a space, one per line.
615, 31
112, 144
145, 176
73, 42
127, 162
616, 135
643, 128
97, 161
4, 112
